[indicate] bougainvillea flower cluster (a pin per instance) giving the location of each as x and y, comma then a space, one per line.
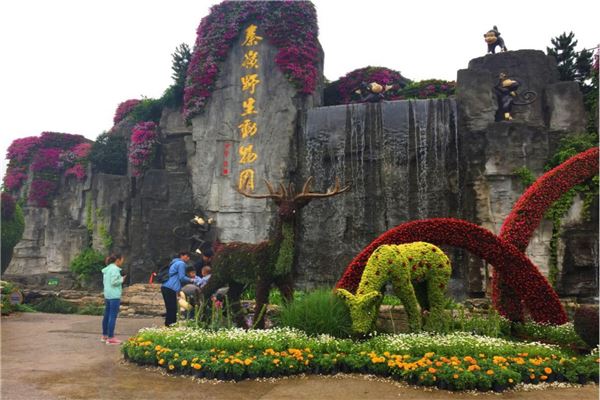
529, 210
124, 109
142, 149
347, 85
419, 262
291, 26
528, 283
47, 157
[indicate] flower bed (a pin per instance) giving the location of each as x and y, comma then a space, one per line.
298, 54
458, 361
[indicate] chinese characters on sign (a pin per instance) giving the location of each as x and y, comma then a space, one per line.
248, 127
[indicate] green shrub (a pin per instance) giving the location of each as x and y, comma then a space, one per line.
87, 265
585, 321
91, 309
147, 110
109, 154
55, 305
319, 312
12, 231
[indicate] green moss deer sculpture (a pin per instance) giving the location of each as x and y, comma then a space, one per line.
268, 263
410, 266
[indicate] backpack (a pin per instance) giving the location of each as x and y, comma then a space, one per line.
163, 274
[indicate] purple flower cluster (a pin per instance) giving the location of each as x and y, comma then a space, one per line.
347, 85
144, 138
8, 206
291, 26
123, 109
20, 150
47, 160
41, 192
47, 156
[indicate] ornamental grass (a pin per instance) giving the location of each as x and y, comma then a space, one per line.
458, 361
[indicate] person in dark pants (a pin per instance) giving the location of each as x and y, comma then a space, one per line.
113, 287
172, 286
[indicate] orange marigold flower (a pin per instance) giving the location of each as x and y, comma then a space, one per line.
276, 361
432, 370
543, 377
197, 366
548, 370
161, 361
532, 376
455, 376
490, 372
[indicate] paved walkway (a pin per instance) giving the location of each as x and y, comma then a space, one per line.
52, 357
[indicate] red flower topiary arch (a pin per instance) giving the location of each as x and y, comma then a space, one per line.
518, 282
529, 210
538, 296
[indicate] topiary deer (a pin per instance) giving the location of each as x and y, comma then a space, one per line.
267, 263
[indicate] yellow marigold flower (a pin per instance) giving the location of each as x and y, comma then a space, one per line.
391, 363
481, 355
386, 353
306, 362
543, 377
432, 370
157, 348
176, 355
455, 376
548, 370
184, 363
161, 361
194, 359
276, 361
247, 361
307, 349
434, 378
226, 361
171, 367
490, 372
429, 355
291, 366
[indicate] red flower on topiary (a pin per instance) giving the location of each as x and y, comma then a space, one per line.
529, 210
531, 286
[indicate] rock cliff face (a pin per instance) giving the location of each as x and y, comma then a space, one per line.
405, 160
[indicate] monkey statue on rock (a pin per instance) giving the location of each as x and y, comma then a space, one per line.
493, 39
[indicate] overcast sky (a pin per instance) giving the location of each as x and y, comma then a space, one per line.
66, 65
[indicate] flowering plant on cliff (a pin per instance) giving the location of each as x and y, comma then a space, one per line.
291, 26
343, 91
123, 109
45, 157
142, 149
75, 160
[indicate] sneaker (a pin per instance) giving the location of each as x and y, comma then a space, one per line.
104, 338
113, 341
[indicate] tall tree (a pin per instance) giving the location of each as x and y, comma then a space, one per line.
572, 65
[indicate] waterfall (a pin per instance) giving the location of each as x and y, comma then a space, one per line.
402, 160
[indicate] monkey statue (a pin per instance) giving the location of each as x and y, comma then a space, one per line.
493, 39
372, 92
505, 92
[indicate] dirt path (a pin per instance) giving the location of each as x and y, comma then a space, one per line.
51, 357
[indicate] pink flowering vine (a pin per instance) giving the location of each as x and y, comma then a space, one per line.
144, 139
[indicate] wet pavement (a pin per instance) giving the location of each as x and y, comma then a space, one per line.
53, 356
